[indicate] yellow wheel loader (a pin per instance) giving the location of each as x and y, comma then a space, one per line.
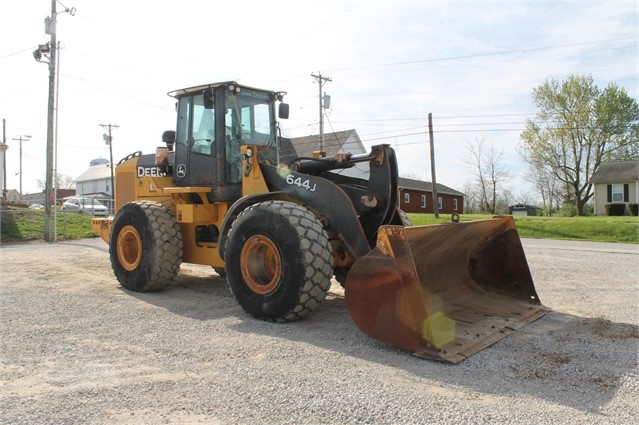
219, 194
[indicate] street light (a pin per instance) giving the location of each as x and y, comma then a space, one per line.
42, 50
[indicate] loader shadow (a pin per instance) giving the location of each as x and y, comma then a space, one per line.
197, 293
569, 360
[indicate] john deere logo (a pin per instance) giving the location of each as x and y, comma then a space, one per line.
181, 170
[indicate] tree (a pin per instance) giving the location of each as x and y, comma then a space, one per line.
546, 183
471, 198
491, 176
62, 181
577, 127
504, 201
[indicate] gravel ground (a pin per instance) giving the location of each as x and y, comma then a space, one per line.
76, 348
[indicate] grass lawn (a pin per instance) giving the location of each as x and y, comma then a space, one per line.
597, 228
24, 224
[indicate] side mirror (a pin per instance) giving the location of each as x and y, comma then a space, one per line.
283, 111
168, 138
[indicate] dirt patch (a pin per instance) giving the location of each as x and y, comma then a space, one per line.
614, 331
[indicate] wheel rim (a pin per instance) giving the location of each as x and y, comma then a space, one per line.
261, 265
129, 248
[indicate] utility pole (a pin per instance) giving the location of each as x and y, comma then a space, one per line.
50, 49
21, 139
55, 163
321, 81
432, 165
50, 28
108, 139
3, 150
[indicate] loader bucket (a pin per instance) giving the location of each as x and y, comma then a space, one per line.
444, 291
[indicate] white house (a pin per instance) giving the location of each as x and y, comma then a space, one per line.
615, 182
95, 182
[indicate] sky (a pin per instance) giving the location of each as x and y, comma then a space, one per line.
473, 65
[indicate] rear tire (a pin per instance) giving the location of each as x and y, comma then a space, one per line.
145, 246
278, 261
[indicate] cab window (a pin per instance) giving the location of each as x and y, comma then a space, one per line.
184, 114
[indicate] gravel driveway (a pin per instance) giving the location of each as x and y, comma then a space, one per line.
76, 348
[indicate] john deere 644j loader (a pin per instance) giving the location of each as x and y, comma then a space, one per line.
218, 194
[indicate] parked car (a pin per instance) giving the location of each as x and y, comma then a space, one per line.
89, 206
36, 206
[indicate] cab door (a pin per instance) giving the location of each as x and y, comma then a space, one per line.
195, 152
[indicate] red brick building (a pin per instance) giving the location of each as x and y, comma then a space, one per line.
416, 196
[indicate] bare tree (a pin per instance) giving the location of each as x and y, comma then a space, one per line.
412, 176
525, 197
547, 186
486, 163
504, 201
471, 198
63, 182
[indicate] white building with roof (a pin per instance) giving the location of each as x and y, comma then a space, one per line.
96, 180
615, 182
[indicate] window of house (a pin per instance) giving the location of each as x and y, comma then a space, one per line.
423, 201
406, 198
617, 193
439, 202
455, 204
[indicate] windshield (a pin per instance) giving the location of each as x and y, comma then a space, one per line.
249, 117
249, 120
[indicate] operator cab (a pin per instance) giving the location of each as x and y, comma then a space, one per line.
213, 121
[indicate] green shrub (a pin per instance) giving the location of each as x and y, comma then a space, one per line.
589, 209
634, 209
615, 209
567, 210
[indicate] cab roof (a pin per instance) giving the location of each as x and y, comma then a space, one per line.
200, 88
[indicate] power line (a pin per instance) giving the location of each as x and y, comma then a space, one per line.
28, 49
506, 52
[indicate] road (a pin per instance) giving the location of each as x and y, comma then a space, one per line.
581, 246
77, 348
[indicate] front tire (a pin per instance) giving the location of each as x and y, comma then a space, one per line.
145, 246
278, 261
